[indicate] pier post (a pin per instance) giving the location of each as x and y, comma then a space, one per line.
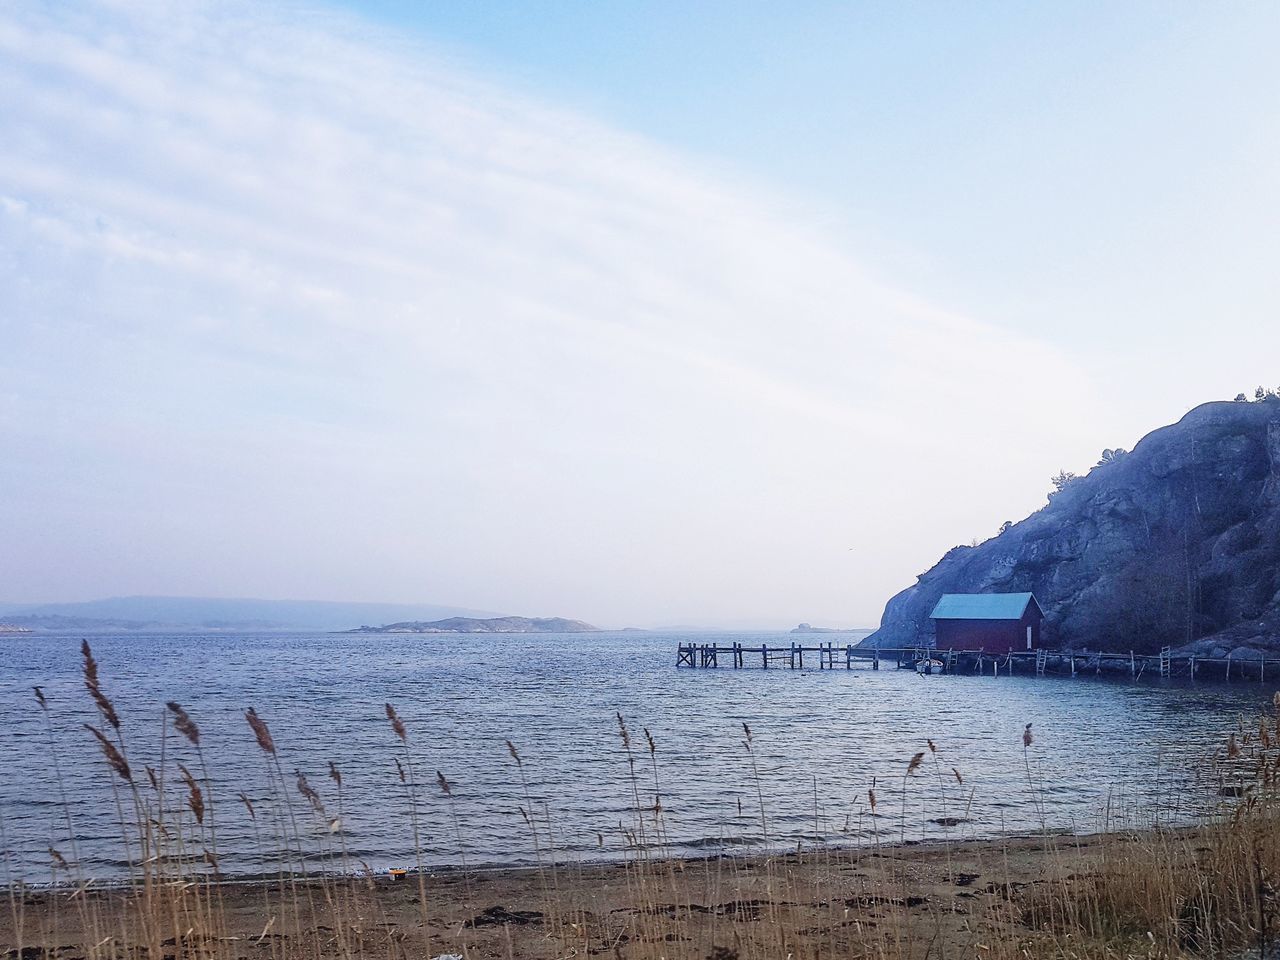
793, 657
1193, 668
1133, 665
1228, 668
875, 659
848, 656
764, 652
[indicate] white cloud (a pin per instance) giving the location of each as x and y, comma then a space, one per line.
290, 308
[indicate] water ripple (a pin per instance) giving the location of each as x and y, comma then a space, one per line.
820, 741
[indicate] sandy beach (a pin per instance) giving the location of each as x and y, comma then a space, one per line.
972, 898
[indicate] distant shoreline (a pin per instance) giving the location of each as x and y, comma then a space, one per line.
472, 625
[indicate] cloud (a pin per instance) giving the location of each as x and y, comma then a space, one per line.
293, 307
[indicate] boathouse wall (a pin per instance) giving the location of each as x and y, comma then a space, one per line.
994, 636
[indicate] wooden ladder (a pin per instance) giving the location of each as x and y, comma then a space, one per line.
1042, 657
1166, 662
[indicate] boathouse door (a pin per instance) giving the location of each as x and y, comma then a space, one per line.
1028, 637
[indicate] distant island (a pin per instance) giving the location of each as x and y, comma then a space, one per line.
489, 625
205, 615
809, 628
13, 628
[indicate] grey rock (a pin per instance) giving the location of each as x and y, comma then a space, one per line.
1174, 544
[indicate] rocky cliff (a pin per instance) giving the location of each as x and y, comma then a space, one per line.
1176, 543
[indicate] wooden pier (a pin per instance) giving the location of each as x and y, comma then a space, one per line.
830, 656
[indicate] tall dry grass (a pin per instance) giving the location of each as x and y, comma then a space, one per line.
1207, 890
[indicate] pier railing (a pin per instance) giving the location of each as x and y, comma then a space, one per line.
832, 656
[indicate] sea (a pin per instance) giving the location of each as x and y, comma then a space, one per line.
515, 752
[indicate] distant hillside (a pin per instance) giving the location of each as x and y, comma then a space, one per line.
486, 625
195, 614
1176, 543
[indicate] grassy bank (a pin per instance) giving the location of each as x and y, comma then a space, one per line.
1207, 890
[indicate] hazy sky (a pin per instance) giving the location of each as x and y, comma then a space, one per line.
615, 311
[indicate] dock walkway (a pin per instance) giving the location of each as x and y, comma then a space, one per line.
830, 656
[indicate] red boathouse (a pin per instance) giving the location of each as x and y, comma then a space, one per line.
987, 621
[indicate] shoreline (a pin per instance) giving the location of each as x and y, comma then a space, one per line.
908, 893
729, 855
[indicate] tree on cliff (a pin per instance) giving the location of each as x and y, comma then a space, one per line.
1061, 480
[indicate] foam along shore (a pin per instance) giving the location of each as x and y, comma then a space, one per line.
1012, 897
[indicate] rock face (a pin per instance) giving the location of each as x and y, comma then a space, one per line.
1176, 543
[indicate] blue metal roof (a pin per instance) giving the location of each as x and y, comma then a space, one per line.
982, 606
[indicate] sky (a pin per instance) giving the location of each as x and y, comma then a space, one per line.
726, 314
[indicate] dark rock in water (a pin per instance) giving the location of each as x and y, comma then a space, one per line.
1176, 543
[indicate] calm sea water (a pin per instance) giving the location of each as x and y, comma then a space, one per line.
820, 740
